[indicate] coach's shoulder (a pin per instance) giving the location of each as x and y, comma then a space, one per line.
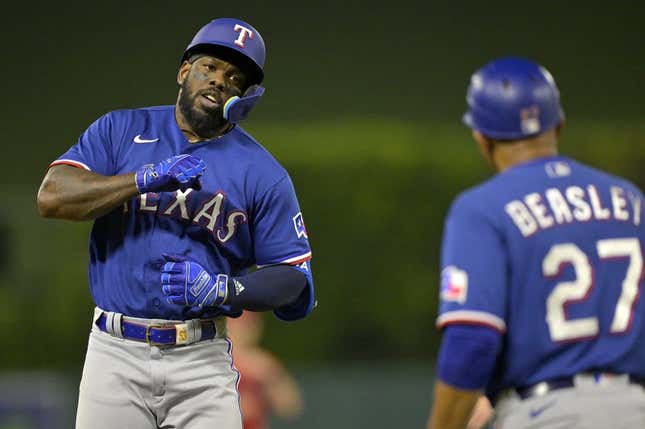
628, 185
479, 196
470, 201
612, 179
479, 203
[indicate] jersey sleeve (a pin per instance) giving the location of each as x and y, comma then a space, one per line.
473, 278
280, 237
93, 149
279, 232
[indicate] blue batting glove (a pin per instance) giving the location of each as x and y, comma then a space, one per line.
177, 172
187, 283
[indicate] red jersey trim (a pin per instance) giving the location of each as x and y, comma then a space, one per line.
70, 162
298, 259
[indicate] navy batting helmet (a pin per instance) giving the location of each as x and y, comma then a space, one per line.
232, 40
511, 99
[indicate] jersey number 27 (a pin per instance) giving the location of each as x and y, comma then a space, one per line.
563, 329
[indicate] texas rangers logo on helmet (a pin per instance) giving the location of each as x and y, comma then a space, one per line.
244, 33
454, 284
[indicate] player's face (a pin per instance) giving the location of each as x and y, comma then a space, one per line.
206, 84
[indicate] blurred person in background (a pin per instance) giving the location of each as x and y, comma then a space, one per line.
542, 269
266, 387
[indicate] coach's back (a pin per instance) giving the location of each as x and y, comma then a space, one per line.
571, 240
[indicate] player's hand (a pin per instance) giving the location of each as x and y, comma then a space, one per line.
187, 283
177, 172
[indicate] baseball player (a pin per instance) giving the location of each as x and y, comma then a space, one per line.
542, 268
184, 202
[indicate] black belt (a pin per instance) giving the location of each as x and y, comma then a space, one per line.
158, 334
545, 387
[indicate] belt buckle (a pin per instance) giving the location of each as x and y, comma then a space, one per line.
149, 340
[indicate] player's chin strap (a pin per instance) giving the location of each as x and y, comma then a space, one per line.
237, 108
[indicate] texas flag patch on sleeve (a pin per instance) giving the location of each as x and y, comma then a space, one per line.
454, 284
299, 224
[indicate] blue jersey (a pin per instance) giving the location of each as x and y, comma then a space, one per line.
549, 253
246, 213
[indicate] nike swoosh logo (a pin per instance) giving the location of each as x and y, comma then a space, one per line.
537, 411
138, 139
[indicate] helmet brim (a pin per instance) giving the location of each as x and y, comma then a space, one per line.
253, 72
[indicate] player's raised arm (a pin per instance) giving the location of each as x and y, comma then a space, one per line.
70, 191
77, 194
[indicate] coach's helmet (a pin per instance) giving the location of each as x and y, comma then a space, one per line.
237, 42
511, 99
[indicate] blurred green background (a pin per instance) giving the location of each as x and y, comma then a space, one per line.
363, 107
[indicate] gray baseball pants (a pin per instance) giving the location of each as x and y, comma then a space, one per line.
606, 403
133, 385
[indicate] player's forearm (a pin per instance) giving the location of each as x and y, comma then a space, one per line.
452, 407
75, 194
267, 289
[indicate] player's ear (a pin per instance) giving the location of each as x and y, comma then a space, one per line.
183, 72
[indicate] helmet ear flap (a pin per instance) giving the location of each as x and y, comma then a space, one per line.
237, 108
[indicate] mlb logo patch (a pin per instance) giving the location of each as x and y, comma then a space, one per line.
557, 169
299, 224
454, 284
530, 120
